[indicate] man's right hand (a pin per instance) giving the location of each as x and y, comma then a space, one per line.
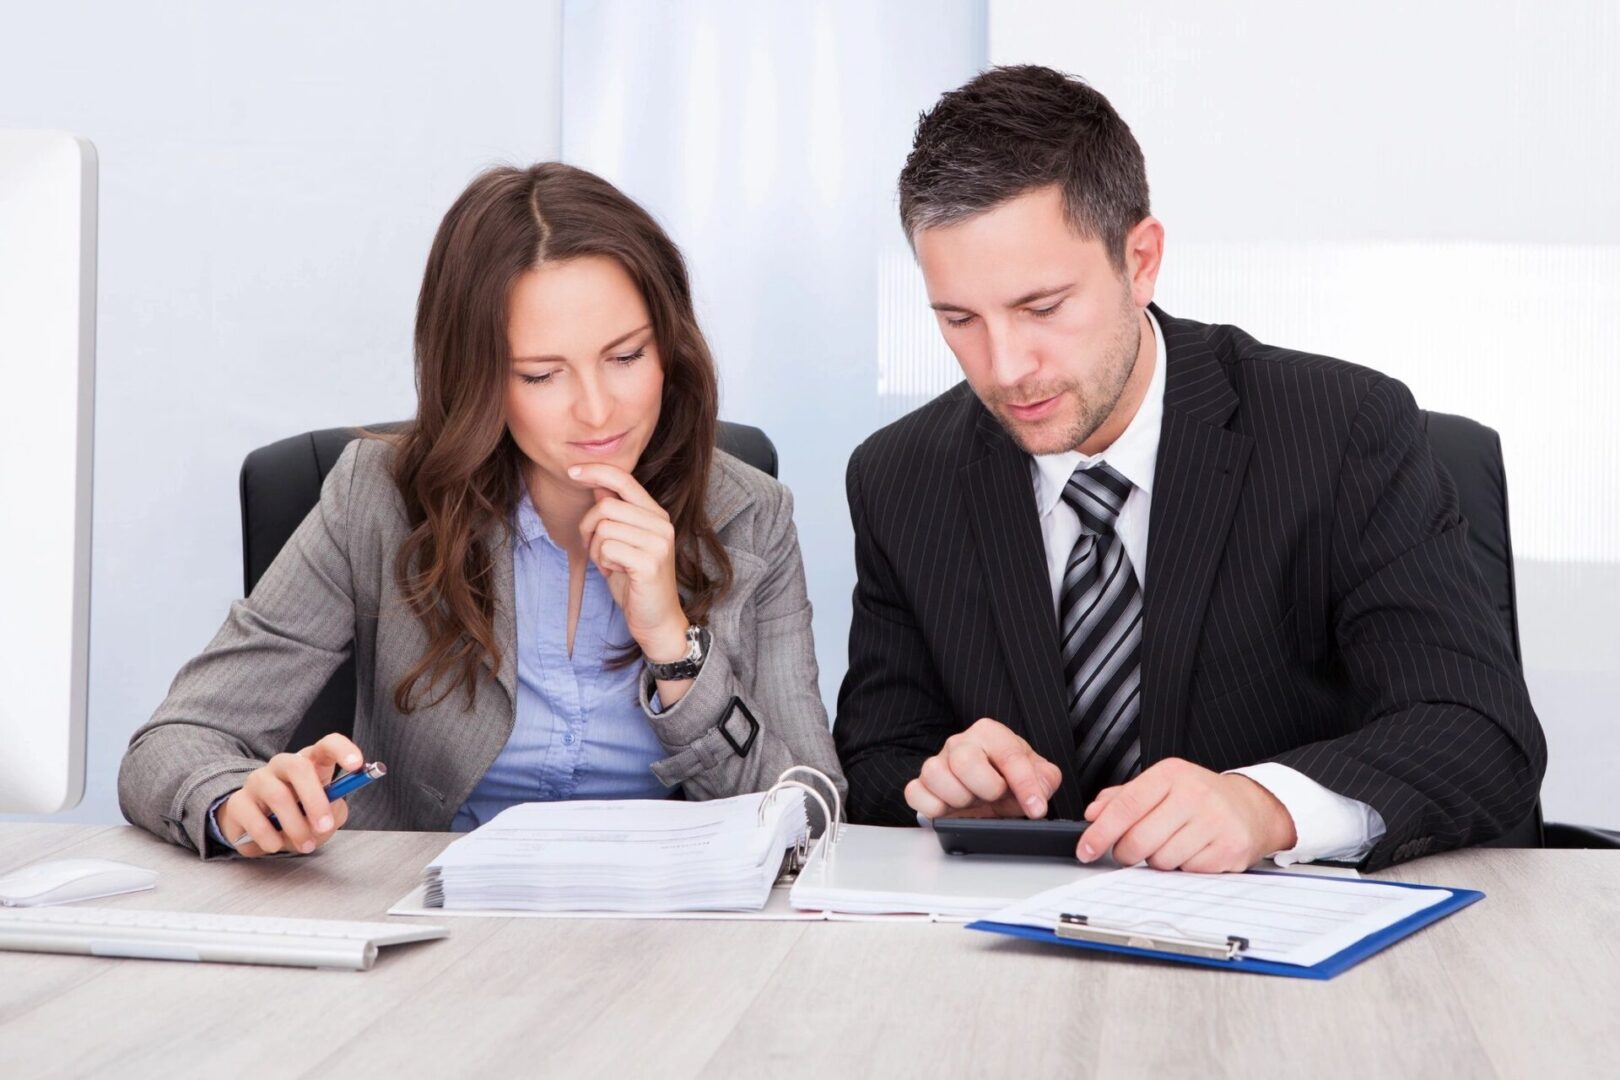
290, 787
985, 771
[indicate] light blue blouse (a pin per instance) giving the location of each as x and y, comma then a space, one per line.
579, 731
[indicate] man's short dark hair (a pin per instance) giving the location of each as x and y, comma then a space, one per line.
1012, 130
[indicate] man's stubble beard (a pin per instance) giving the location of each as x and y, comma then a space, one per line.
1116, 371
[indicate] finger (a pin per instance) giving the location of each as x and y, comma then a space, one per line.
943, 784
978, 810
1222, 855
245, 816
633, 535
615, 509
276, 797
621, 556
923, 801
615, 479
1143, 840
1006, 807
968, 764
1051, 774
1182, 845
334, 749
340, 814
1104, 797
1019, 767
1131, 804
300, 772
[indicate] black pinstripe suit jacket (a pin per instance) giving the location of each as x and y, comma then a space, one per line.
1310, 600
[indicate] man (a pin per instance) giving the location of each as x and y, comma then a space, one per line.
1269, 637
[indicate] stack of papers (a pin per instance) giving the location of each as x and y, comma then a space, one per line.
629, 855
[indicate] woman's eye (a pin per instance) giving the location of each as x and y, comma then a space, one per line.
536, 380
630, 358
963, 321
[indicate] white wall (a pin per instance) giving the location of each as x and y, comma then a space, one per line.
1428, 189
1425, 189
767, 139
271, 175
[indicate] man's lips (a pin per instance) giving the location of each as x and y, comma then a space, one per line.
1035, 410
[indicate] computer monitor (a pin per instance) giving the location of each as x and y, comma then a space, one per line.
47, 386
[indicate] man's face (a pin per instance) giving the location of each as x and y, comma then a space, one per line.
1046, 328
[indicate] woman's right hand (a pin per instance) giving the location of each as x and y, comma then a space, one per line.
291, 787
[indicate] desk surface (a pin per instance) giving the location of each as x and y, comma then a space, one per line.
1526, 982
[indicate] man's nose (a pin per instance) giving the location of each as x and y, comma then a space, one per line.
1012, 360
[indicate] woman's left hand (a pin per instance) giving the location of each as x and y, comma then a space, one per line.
632, 542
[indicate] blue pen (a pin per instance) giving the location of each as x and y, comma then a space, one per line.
343, 785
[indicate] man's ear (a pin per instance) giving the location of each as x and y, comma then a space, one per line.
1144, 253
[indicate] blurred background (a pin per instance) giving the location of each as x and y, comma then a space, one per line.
1425, 189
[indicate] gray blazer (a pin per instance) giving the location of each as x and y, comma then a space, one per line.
332, 590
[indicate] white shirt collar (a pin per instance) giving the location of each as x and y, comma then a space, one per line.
1133, 455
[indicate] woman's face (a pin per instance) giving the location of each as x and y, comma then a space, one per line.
586, 379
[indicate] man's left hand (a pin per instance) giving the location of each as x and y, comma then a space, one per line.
1181, 816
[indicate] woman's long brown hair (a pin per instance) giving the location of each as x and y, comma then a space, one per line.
456, 464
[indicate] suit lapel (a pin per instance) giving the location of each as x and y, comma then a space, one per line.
1001, 506
1199, 479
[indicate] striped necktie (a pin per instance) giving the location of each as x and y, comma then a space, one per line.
1100, 618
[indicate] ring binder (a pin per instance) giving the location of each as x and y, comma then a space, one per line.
1079, 928
829, 832
838, 803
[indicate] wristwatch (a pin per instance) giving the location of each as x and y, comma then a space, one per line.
687, 667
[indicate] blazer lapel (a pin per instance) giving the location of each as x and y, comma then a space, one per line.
505, 617
1001, 506
1199, 479
484, 730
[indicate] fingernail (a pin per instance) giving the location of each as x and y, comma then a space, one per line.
1033, 804
325, 824
1087, 852
307, 846
352, 761
573, 470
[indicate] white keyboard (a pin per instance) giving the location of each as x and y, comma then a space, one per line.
231, 939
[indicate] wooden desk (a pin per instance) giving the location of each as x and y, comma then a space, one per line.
1525, 983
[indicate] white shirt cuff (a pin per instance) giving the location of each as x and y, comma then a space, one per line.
1327, 825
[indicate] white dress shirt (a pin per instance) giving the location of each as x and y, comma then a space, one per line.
1327, 825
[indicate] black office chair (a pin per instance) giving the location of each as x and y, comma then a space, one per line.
280, 485
1472, 454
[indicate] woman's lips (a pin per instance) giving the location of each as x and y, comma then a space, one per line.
601, 446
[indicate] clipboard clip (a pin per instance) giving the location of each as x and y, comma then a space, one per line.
1079, 928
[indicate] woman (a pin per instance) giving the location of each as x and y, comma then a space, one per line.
553, 584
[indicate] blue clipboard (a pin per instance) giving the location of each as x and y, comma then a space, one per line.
1339, 962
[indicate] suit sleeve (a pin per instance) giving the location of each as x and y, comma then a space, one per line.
783, 695
890, 715
235, 706
1451, 752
